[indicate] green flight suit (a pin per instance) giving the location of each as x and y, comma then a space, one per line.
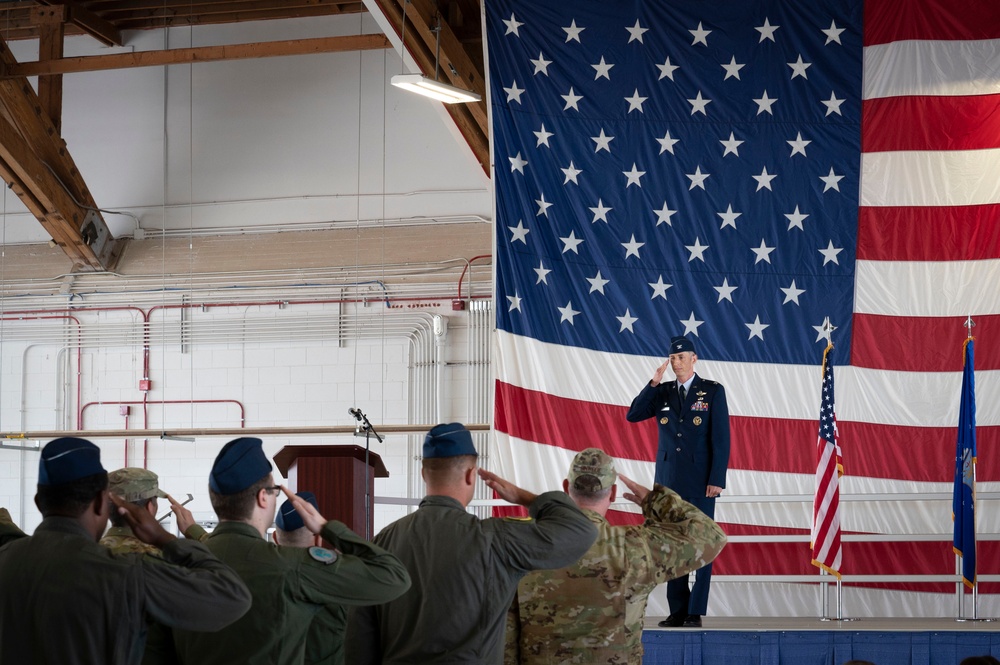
8, 530
290, 585
67, 599
465, 571
325, 641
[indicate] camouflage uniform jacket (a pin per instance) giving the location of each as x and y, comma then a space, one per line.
119, 539
592, 611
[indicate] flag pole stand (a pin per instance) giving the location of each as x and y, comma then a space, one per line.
975, 598
824, 599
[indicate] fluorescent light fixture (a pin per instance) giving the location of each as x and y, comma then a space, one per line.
442, 92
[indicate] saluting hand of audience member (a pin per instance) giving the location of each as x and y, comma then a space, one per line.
636, 492
143, 525
506, 490
311, 517
185, 519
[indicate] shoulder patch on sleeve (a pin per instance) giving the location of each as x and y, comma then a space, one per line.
323, 555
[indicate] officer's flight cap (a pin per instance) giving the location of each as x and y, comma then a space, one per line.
681, 344
66, 459
448, 440
288, 519
239, 464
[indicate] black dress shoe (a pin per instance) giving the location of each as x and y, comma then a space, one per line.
675, 620
692, 621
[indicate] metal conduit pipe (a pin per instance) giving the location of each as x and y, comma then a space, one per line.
151, 288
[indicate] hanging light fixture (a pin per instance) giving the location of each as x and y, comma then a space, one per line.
428, 87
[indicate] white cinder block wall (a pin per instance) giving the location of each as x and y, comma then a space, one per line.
268, 366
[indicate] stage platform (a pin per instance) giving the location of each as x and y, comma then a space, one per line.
809, 641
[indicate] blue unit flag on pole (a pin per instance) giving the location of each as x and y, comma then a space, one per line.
964, 502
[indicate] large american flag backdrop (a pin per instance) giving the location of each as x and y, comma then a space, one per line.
738, 172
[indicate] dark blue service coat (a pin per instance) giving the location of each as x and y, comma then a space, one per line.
693, 449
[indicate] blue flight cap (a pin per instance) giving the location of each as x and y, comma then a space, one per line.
288, 519
239, 464
681, 344
448, 440
67, 459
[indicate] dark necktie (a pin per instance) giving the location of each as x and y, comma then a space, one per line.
682, 392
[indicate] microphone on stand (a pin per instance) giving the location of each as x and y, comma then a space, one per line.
356, 413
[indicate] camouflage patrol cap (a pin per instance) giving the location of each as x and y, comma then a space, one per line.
593, 462
133, 484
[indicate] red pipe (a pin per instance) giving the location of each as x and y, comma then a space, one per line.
468, 264
170, 401
126, 441
18, 315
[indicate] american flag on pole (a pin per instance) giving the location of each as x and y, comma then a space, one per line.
826, 549
738, 172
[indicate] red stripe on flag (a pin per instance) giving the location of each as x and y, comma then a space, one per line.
952, 233
897, 20
929, 344
931, 123
571, 424
757, 444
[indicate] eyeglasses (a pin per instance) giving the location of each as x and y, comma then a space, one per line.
276, 489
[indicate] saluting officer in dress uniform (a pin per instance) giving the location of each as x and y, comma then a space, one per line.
692, 456
289, 585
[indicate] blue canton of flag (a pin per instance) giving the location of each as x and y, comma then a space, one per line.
964, 501
692, 170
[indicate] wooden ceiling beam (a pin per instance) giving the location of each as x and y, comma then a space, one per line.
89, 22
94, 63
51, 22
129, 14
50, 183
44, 196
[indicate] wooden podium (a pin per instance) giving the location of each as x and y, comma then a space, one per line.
336, 475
